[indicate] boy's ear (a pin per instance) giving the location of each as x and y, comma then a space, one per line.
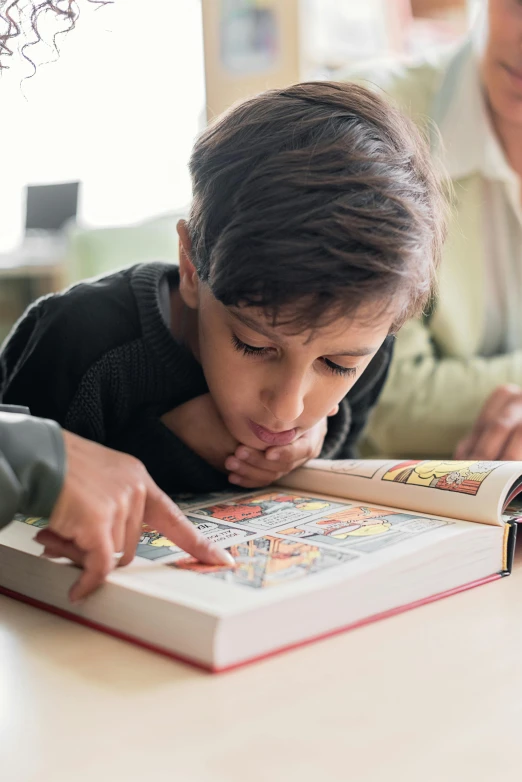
188, 276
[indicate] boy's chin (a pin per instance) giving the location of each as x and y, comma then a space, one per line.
248, 438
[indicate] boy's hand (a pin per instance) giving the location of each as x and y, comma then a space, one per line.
97, 520
199, 425
251, 468
497, 433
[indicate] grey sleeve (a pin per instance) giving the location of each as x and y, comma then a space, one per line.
32, 465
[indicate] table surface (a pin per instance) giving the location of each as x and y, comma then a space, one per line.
433, 694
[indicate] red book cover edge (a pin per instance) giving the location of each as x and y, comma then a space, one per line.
138, 642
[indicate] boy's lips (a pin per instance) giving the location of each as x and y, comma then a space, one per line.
269, 437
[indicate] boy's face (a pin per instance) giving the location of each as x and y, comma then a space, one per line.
268, 384
271, 386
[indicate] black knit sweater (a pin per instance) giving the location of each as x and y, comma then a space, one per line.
100, 359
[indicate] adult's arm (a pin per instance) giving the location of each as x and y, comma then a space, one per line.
32, 465
429, 403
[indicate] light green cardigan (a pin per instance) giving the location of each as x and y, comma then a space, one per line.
438, 382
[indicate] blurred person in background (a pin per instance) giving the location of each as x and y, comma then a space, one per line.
454, 388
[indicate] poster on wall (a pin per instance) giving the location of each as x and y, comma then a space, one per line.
249, 36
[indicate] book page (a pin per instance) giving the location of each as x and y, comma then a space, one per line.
294, 535
283, 543
252, 520
467, 490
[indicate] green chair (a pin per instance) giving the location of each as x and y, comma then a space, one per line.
102, 250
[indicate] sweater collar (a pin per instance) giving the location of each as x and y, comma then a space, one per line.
147, 280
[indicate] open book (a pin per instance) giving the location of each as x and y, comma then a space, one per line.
338, 544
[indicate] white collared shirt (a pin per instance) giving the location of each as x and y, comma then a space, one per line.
472, 147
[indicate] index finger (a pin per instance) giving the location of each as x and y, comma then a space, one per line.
164, 516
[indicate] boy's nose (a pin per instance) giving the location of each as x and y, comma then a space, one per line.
285, 403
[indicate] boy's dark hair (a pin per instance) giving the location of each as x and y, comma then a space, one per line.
321, 196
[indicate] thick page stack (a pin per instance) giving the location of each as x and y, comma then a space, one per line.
338, 545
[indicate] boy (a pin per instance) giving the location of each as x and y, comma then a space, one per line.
315, 231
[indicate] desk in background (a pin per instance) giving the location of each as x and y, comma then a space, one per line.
32, 270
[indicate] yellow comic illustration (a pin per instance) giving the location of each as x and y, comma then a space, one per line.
357, 527
464, 477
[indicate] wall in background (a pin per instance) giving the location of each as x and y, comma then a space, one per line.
119, 110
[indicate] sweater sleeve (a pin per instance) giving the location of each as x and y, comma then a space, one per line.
430, 403
32, 465
35, 360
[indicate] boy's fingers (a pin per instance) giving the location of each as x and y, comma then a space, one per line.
164, 516
265, 476
252, 478
299, 451
249, 483
248, 456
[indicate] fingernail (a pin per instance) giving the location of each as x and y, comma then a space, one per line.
223, 556
272, 456
232, 464
242, 452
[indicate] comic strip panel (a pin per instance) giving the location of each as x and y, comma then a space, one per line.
513, 512
458, 476
269, 561
268, 511
154, 545
34, 521
363, 528
188, 501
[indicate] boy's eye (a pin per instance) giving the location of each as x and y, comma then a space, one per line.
248, 350
337, 369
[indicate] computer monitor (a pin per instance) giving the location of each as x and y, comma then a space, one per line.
49, 207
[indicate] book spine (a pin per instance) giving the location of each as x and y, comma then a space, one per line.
510, 539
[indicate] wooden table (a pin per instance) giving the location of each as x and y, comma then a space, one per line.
433, 695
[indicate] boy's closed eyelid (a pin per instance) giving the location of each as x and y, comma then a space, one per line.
339, 369
252, 350
249, 350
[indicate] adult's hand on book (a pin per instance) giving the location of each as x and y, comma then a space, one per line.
97, 520
497, 433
